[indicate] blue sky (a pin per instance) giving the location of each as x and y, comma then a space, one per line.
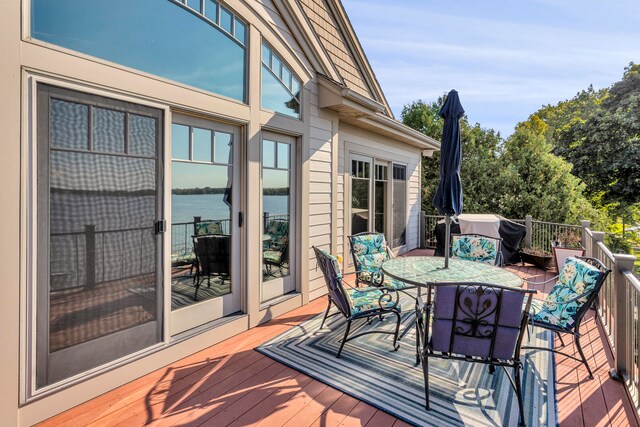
505, 58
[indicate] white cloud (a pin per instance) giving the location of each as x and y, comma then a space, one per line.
505, 58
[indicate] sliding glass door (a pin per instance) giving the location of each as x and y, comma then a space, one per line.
278, 215
379, 198
99, 233
399, 205
204, 216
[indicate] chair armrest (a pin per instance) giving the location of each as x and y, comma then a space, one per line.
526, 279
574, 299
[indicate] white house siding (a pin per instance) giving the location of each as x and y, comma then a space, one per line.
320, 191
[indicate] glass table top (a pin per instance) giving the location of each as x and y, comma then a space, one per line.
428, 269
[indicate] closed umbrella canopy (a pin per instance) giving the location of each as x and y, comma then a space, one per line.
448, 198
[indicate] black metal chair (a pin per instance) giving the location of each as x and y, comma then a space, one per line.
355, 303
476, 323
275, 260
213, 258
477, 248
576, 290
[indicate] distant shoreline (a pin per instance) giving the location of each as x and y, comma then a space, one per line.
210, 190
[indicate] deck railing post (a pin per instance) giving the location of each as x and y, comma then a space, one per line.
585, 224
528, 220
90, 255
598, 236
196, 220
422, 229
622, 263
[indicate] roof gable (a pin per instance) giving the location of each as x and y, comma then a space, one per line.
331, 24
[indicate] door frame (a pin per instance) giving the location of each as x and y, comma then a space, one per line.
283, 285
188, 317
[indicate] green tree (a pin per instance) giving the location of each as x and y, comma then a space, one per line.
535, 181
605, 148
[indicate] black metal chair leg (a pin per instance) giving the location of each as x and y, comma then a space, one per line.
396, 346
517, 380
195, 295
584, 359
344, 340
425, 371
326, 313
560, 338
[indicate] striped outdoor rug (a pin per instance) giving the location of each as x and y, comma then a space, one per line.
461, 393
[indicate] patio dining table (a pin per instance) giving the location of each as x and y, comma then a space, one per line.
428, 271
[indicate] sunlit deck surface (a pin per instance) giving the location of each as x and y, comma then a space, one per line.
232, 384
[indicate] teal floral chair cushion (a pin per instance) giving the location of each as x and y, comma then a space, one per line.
576, 283
205, 228
273, 256
476, 248
366, 299
334, 262
278, 230
369, 251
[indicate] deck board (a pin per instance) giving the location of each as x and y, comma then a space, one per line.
232, 384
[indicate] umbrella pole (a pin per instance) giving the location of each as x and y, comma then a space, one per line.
447, 239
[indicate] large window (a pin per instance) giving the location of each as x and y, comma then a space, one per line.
201, 44
280, 88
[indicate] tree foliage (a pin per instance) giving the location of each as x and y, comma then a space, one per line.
480, 150
534, 181
605, 147
512, 178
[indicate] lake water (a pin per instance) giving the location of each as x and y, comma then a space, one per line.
211, 206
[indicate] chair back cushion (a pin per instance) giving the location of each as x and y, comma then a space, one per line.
477, 320
333, 277
277, 228
205, 228
369, 252
475, 248
576, 278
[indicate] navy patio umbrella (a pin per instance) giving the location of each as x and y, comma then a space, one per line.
448, 198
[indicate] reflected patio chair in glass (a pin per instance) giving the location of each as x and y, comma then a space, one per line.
576, 289
207, 227
213, 256
278, 230
276, 260
475, 323
369, 251
203, 228
355, 303
477, 248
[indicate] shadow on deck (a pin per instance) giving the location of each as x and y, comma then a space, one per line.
231, 384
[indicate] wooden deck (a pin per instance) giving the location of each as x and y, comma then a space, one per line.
231, 384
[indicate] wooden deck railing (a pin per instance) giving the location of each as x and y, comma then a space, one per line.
539, 235
619, 311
